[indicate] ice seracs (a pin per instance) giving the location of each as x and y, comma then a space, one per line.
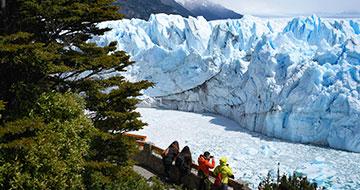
293, 79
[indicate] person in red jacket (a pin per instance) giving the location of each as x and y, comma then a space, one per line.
204, 169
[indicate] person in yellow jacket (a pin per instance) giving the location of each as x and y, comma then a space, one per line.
223, 173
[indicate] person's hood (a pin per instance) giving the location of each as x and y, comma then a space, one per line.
223, 161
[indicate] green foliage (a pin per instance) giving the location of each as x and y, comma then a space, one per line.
117, 149
46, 140
64, 20
23, 72
294, 182
60, 107
122, 178
115, 109
43, 48
157, 184
40, 154
125, 178
2, 107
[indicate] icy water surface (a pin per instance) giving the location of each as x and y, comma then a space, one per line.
251, 155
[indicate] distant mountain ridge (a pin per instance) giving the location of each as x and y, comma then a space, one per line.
209, 10
144, 8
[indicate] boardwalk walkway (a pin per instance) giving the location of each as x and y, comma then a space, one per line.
143, 172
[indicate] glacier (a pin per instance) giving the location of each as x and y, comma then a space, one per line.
294, 79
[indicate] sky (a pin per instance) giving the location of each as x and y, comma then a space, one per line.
291, 7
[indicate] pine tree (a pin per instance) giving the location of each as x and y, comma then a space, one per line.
43, 50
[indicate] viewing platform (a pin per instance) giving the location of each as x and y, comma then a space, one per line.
149, 158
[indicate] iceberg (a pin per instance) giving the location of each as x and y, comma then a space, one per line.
294, 79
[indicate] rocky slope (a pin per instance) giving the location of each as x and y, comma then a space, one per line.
209, 10
143, 9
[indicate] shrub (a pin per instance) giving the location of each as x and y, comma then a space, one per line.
294, 182
47, 149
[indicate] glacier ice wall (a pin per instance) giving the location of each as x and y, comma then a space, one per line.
296, 79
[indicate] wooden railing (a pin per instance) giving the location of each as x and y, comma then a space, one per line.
137, 137
140, 139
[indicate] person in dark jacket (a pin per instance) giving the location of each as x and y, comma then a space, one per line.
168, 156
183, 162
